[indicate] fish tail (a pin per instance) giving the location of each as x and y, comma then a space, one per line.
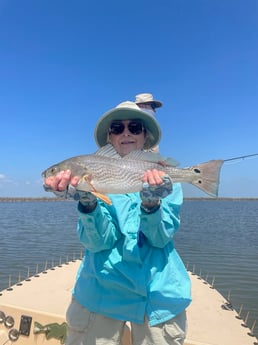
206, 176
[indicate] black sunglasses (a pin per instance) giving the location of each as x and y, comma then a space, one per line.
135, 127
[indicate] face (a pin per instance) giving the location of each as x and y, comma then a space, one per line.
149, 108
127, 136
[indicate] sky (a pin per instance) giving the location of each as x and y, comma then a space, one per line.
63, 64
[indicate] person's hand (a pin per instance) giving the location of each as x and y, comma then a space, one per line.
63, 185
60, 181
156, 185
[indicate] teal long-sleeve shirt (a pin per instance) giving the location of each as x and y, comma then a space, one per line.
131, 269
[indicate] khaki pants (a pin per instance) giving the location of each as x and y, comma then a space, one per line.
87, 328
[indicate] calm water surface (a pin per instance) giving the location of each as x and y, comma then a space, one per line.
218, 239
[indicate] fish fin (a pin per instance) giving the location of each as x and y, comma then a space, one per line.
151, 157
207, 176
102, 197
84, 183
87, 179
108, 151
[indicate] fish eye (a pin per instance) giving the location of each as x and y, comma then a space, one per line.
53, 170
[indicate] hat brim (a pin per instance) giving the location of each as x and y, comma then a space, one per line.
149, 122
157, 104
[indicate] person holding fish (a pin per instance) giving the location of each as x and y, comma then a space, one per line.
131, 271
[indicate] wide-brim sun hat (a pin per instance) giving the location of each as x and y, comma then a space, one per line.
147, 98
128, 111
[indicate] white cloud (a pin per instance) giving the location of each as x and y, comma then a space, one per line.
21, 187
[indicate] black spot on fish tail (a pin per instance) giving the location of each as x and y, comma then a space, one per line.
207, 176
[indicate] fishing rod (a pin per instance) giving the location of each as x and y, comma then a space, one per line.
240, 157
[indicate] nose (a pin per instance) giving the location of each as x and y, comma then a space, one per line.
126, 130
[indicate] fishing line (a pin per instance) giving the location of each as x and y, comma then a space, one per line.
240, 157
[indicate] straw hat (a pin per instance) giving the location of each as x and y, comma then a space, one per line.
147, 98
128, 111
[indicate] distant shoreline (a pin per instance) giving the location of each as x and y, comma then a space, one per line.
53, 199
28, 199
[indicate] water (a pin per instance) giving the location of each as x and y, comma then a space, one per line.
34, 235
218, 240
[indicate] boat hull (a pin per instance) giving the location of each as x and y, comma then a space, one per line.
38, 306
